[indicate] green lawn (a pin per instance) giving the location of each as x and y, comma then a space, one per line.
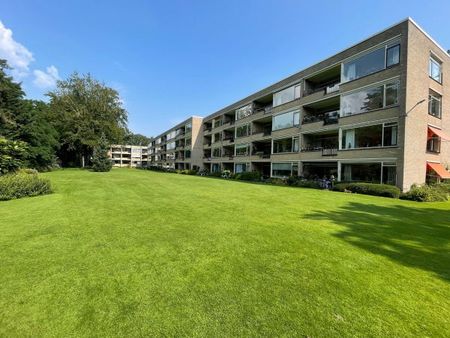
139, 253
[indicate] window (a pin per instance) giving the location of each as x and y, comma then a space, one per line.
217, 137
392, 93
434, 144
370, 99
242, 150
390, 131
392, 55
286, 95
381, 135
434, 105
284, 169
361, 172
188, 142
187, 154
217, 123
435, 70
371, 62
243, 131
188, 127
286, 120
171, 145
216, 152
286, 145
171, 135
240, 168
215, 168
244, 111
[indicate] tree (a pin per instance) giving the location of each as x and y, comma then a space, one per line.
26, 120
11, 101
136, 139
100, 158
82, 109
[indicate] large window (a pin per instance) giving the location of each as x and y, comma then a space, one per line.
188, 142
244, 111
286, 95
217, 123
435, 70
370, 99
242, 149
435, 104
286, 120
216, 152
243, 131
371, 62
187, 154
385, 172
171, 145
240, 168
188, 127
171, 135
284, 169
286, 145
381, 135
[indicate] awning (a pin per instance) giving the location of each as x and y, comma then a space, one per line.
439, 169
437, 132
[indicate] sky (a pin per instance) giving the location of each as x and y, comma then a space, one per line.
173, 59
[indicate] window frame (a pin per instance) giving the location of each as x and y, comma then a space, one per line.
383, 84
383, 126
437, 62
386, 45
293, 112
435, 96
293, 138
296, 91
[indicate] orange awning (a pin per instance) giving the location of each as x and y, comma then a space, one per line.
438, 132
439, 169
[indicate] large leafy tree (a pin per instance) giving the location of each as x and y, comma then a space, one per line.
11, 101
136, 139
27, 121
82, 109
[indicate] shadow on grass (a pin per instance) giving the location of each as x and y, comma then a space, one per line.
413, 237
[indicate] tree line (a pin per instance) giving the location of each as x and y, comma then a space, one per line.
81, 114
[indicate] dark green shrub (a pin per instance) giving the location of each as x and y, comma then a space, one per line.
23, 184
374, 189
249, 176
12, 155
277, 181
187, 172
308, 184
425, 193
292, 180
215, 174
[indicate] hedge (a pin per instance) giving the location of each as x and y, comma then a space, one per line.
374, 189
427, 193
23, 184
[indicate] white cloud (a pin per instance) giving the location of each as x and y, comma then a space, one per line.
17, 55
47, 79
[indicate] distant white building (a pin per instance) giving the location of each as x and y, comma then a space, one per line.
128, 155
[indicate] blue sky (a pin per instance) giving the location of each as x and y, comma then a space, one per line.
173, 59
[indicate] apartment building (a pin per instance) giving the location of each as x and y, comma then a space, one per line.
128, 155
377, 112
179, 147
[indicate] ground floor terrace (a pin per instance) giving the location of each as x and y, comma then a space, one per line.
372, 170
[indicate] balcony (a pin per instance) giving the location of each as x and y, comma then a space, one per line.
327, 118
327, 82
